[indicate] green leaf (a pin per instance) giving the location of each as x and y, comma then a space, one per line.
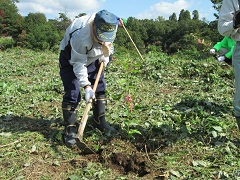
194, 163
175, 173
217, 128
56, 163
228, 150
134, 131
200, 163
34, 148
214, 133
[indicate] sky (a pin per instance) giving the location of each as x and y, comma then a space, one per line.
140, 9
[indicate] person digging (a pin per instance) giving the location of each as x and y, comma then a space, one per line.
87, 42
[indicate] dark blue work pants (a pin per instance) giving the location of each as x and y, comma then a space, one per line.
70, 82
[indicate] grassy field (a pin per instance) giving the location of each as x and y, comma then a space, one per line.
177, 125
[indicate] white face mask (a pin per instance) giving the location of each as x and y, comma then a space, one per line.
106, 48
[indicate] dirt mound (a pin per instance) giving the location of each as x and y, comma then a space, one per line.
125, 158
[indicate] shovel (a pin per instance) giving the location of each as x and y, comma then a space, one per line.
79, 137
132, 42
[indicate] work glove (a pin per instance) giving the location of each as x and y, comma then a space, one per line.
221, 58
212, 51
236, 19
104, 59
89, 94
122, 22
106, 48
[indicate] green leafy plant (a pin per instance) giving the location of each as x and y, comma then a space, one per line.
7, 42
177, 119
128, 124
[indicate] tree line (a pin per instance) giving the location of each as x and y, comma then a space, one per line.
186, 33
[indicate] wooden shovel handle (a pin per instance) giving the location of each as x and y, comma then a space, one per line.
133, 42
88, 107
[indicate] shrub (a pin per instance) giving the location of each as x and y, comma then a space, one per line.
7, 42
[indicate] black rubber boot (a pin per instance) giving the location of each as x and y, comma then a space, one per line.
99, 108
228, 61
238, 122
70, 118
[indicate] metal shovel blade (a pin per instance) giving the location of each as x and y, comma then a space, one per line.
84, 147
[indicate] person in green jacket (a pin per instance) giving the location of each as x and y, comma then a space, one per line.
223, 50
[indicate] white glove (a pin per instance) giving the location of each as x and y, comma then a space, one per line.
104, 59
212, 51
89, 93
106, 48
221, 58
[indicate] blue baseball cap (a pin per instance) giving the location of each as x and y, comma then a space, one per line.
106, 25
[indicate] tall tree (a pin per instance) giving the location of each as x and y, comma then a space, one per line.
65, 21
184, 15
10, 20
41, 34
173, 17
217, 4
195, 15
35, 19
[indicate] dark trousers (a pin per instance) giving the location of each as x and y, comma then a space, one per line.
70, 82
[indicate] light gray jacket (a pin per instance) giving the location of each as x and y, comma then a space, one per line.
84, 50
225, 22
